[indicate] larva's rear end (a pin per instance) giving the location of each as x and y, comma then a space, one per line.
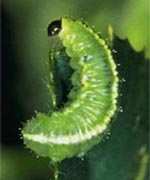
85, 118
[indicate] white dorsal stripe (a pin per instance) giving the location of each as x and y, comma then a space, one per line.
70, 139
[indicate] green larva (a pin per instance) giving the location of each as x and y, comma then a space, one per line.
81, 123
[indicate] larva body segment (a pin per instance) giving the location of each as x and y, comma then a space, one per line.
92, 100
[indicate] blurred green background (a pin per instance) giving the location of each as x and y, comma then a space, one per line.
123, 155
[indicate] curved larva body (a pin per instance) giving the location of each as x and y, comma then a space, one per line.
92, 100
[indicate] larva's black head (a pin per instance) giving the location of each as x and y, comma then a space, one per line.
54, 28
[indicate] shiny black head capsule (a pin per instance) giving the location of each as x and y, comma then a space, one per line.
54, 28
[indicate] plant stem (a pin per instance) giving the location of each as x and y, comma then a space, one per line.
54, 170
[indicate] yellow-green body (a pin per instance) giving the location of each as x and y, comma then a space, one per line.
81, 123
